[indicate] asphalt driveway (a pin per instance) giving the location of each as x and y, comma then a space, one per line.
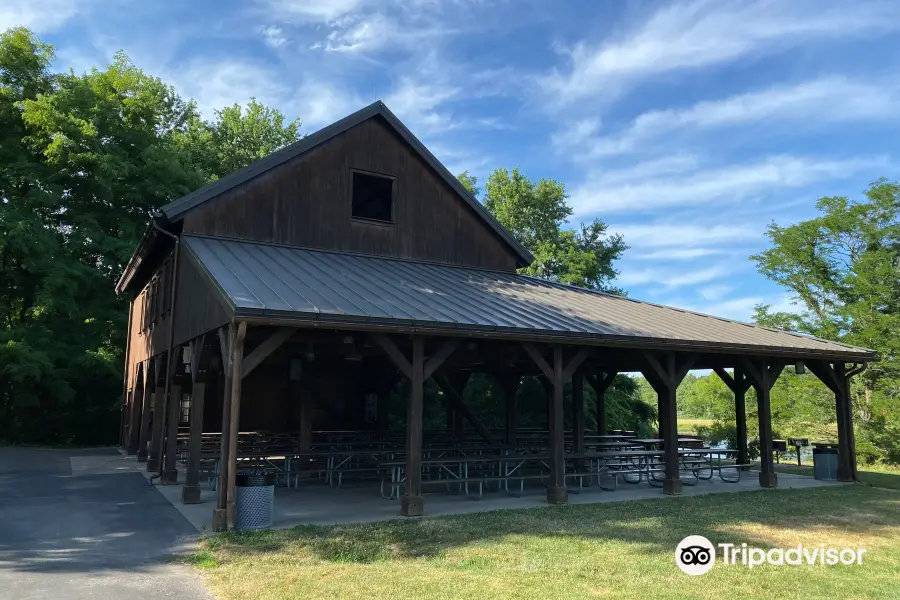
84, 524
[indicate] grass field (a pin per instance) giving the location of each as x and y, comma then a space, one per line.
622, 550
691, 425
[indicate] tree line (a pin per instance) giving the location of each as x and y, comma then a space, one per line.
86, 158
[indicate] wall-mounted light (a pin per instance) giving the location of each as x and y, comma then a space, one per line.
800, 368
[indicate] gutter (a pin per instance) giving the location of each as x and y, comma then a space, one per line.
169, 357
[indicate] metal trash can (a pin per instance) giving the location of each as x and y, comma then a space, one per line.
825, 463
254, 500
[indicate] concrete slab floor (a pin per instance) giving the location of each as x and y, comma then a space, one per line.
319, 504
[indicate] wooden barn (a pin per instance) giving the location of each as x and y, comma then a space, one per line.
275, 310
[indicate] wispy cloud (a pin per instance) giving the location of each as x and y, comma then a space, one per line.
831, 100
40, 15
273, 36
610, 192
693, 35
670, 278
666, 236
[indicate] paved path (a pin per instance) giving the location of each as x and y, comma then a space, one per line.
84, 524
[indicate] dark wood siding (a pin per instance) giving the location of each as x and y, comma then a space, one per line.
199, 307
306, 202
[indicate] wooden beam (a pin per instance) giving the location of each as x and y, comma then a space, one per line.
657, 373
682, 364
578, 405
574, 363
266, 348
455, 396
557, 492
386, 344
437, 359
412, 503
190, 492
146, 409
825, 372
726, 378
237, 359
539, 361
226, 341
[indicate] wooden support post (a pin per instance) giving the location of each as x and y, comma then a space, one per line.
509, 383
154, 455
763, 373
600, 385
664, 373
412, 503
837, 379
557, 492
226, 341
738, 384
173, 408
190, 492
146, 413
578, 412
134, 426
307, 403
383, 418
237, 366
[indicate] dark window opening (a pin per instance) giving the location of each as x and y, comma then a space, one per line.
372, 197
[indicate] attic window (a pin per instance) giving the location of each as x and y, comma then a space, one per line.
373, 197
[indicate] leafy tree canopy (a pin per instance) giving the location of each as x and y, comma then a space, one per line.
535, 212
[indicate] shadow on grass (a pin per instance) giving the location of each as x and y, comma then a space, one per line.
650, 525
888, 478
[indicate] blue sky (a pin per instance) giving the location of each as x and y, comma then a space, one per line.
687, 126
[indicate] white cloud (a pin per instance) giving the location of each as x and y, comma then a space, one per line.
830, 100
315, 11
672, 279
704, 33
418, 101
320, 103
669, 237
716, 291
273, 36
216, 84
40, 16
611, 192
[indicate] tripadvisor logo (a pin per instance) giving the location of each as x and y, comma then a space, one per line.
696, 555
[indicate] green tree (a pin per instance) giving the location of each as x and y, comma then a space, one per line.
535, 212
843, 271
84, 160
239, 136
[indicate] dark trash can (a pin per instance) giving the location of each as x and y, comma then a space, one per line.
825, 463
254, 500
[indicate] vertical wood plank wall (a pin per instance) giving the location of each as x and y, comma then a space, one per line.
306, 202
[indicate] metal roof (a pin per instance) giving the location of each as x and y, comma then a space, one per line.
267, 280
175, 210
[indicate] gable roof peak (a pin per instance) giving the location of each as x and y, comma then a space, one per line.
175, 211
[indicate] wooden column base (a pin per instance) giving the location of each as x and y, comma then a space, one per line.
673, 487
190, 494
169, 477
557, 494
218, 520
412, 506
152, 464
768, 480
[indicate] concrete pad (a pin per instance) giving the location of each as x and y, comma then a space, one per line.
316, 503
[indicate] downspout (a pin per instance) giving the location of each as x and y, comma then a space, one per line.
169, 357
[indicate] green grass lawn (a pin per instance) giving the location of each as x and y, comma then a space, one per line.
622, 550
691, 425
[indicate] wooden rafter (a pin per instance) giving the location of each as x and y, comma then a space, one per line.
266, 348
